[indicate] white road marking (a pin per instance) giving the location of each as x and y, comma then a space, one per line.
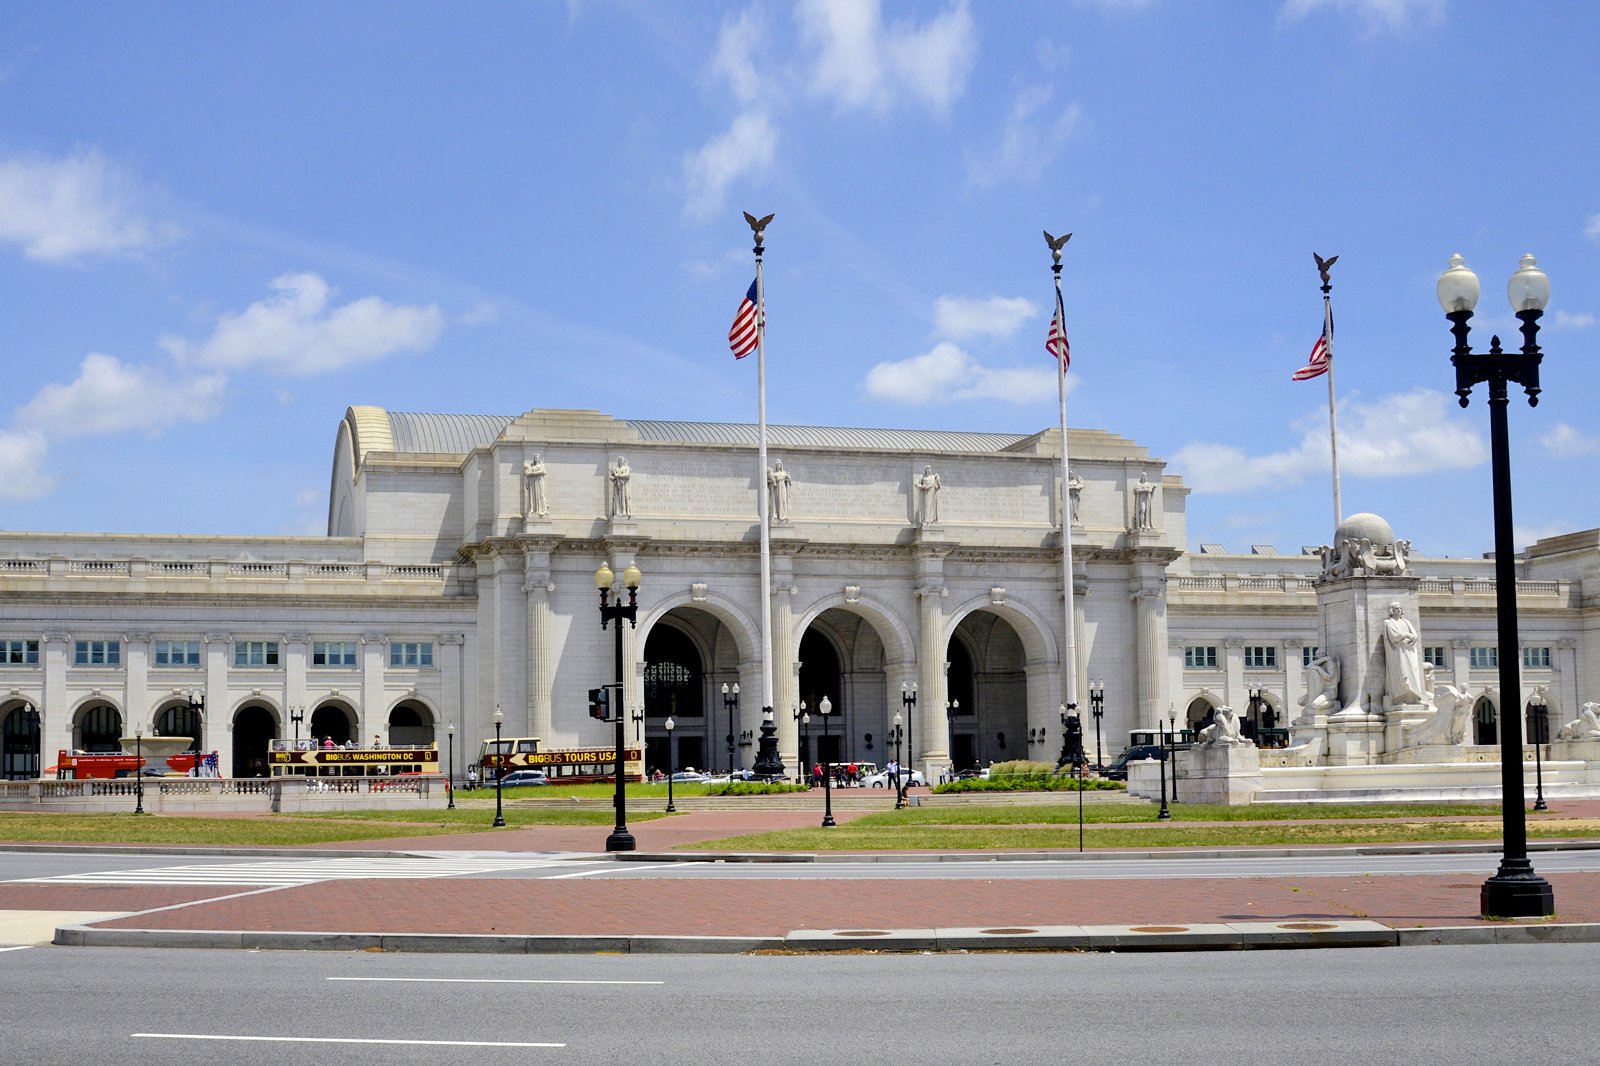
492, 981
19, 947
304, 871
341, 1040
610, 868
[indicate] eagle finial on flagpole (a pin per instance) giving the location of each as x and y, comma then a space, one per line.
1323, 265
758, 226
1056, 244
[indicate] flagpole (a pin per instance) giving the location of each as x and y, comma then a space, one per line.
1070, 665
1323, 265
759, 229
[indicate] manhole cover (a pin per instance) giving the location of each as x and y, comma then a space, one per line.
1306, 925
1160, 929
1007, 932
862, 932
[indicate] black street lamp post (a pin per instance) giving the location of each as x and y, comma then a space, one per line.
730, 703
1540, 729
31, 722
896, 732
1515, 890
450, 781
669, 725
499, 769
197, 704
297, 715
620, 839
138, 770
825, 708
908, 701
804, 718
1097, 707
1161, 729
952, 710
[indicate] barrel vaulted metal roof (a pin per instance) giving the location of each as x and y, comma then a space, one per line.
429, 433
900, 440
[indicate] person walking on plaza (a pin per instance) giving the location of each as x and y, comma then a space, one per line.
850, 774
816, 776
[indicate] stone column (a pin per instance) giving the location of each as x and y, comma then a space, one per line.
370, 717
785, 680
136, 683
538, 674
1150, 642
55, 702
219, 703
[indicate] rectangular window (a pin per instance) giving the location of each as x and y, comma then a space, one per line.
177, 653
255, 653
97, 653
411, 653
1536, 658
333, 653
1200, 657
19, 653
1485, 658
1434, 656
1260, 657
1308, 654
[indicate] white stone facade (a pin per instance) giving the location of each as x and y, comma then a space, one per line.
437, 597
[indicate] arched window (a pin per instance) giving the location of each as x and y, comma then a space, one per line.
180, 720
100, 729
19, 739
672, 675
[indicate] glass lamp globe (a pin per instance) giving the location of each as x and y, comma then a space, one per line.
1458, 287
1529, 288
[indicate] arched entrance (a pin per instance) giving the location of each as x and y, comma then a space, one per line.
19, 742
989, 676
332, 721
410, 725
253, 727
98, 729
1485, 722
1201, 712
180, 720
821, 675
674, 684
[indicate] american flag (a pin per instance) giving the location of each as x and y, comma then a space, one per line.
1321, 354
743, 337
1056, 344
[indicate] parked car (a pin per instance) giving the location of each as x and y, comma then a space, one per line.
968, 774
518, 778
908, 777
1118, 768
690, 776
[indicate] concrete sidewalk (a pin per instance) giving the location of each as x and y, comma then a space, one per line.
502, 914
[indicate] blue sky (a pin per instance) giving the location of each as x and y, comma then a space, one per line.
220, 225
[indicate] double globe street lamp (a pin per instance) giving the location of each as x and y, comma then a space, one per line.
669, 725
825, 708
1515, 890
619, 612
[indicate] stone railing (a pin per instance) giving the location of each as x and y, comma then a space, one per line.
190, 571
191, 794
1299, 583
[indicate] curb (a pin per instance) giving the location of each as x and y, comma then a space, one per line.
1232, 936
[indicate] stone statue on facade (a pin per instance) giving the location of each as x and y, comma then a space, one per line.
1402, 661
621, 472
1143, 502
1321, 679
534, 503
1584, 727
928, 488
1075, 484
1223, 730
778, 493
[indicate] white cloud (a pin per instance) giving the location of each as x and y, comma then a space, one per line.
861, 63
1031, 137
1566, 442
1522, 536
1374, 15
481, 313
21, 455
295, 331
740, 45
746, 148
60, 210
1573, 320
1591, 229
947, 373
109, 396
959, 317
1407, 433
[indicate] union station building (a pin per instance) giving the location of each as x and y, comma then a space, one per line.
457, 577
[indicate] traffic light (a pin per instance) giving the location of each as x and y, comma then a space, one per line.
599, 702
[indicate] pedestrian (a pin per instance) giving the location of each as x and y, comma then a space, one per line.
850, 773
472, 778
816, 776
894, 774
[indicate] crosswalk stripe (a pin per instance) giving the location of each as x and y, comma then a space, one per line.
303, 871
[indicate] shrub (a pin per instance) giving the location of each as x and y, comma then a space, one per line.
1028, 782
753, 788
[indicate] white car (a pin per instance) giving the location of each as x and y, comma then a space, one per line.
908, 777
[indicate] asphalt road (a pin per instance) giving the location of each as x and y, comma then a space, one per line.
1374, 1007
175, 868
